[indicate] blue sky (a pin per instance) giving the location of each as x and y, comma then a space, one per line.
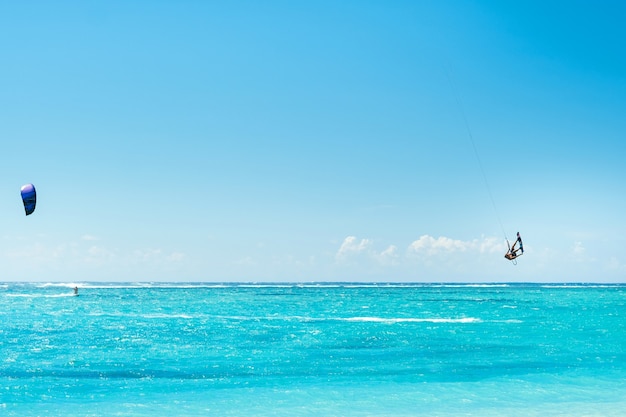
313, 141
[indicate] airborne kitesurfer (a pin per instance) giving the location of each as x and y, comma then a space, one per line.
513, 252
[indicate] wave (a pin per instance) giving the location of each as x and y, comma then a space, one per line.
363, 319
59, 285
192, 285
356, 319
301, 285
580, 285
167, 316
41, 295
131, 285
172, 285
413, 320
469, 285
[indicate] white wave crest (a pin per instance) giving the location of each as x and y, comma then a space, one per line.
413, 320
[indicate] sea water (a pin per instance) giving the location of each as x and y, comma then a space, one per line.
312, 350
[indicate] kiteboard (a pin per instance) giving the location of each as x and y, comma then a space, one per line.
512, 254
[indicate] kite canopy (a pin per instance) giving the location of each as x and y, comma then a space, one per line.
29, 197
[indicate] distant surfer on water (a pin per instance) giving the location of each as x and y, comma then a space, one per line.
75, 290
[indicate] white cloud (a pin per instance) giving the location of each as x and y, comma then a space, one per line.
352, 246
431, 246
147, 254
580, 254
428, 245
352, 249
491, 245
175, 256
389, 256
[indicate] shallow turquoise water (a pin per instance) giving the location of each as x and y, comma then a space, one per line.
336, 350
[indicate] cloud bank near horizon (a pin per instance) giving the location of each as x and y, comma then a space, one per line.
424, 246
426, 258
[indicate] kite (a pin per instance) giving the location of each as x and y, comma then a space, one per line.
29, 197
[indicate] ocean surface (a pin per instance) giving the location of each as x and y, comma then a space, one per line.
159, 349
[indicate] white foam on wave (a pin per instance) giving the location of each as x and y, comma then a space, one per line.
580, 285
167, 316
468, 285
131, 285
41, 295
413, 320
364, 319
252, 285
59, 285
357, 319
191, 285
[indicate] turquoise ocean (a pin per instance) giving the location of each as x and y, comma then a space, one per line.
171, 349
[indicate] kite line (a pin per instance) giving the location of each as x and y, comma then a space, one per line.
471, 139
